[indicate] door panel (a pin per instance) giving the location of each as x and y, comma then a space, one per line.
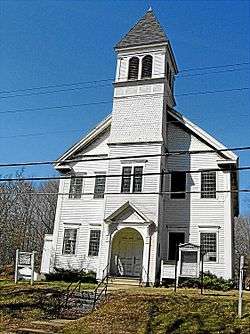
127, 252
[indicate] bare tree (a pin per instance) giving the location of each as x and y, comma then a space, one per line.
26, 214
241, 239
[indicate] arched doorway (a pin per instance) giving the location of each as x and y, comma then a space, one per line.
127, 253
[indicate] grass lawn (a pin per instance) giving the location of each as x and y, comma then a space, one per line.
161, 311
132, 311
20, 304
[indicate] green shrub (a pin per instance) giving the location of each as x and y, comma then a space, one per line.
210, 281
71, 275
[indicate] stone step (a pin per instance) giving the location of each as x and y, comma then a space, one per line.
33, 331
126, 281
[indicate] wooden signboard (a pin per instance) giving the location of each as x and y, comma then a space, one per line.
25, 260
189, 261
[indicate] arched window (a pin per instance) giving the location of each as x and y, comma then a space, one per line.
133, 68
146, 71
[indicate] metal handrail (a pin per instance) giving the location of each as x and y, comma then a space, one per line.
105, 281
69, 292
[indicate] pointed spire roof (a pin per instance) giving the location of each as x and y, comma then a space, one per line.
146, 31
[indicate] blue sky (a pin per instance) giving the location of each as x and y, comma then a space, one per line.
57, 42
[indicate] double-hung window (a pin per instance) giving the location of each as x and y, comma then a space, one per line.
208, 184
69, 241
94, 242
208, 244
132, 179
75, 190
178, 185
99, 190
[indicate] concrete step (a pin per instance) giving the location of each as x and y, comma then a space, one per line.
33, 331
126, 281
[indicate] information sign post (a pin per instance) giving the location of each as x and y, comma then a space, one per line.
25, 260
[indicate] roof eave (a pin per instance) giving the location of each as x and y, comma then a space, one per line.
84, 141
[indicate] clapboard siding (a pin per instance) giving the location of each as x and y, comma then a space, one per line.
193, 213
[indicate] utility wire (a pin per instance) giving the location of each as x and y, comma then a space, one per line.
110, 101
179, 152
76, 176
112, 79
126, 194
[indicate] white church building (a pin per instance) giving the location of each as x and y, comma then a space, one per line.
128, 196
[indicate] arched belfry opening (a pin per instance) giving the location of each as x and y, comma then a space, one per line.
127, 253
147, 63
133, 68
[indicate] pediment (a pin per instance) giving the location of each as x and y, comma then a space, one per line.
127, 213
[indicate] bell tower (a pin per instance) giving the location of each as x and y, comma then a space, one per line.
144, 83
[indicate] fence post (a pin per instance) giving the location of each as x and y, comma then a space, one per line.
16, 266
240, 286
175, 269
32, 268
202, 271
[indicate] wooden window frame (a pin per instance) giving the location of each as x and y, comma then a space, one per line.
212, 231
72, 194
91, 252
64, 241
203, 195
171, 195
97, 194
132, 177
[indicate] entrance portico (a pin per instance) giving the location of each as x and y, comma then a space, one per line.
128, 241
126, 253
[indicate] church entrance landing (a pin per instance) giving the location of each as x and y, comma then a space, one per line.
127, 253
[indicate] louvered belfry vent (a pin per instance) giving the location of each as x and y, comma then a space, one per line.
147, 62
133, 68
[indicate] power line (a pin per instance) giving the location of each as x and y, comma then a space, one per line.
213, 91
179, 152
126, 194
112, 79
52, 91
214, 72
110, 101
54, 107
75, 176
38, 134
212, 67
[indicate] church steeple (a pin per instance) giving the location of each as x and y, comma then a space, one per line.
145, 32
144, 83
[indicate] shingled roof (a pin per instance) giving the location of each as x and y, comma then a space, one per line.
146, 31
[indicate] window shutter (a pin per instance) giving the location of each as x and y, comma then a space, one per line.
147, 63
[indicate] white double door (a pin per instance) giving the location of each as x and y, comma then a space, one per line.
127, 253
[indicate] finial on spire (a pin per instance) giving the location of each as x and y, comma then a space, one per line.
150, 9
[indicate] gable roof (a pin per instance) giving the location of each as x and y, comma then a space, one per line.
185, 122
203, 135
86, 140
146, 31
122, 209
